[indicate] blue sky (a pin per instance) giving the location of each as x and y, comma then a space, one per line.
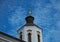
45, 12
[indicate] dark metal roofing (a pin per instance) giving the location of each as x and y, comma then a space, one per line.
29, 19
29, 24
10, 36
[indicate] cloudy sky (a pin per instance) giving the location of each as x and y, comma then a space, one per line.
45, 12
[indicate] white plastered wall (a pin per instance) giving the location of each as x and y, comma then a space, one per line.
34, 37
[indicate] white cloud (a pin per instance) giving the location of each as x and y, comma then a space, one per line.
16, 16
52, 35
56, 4
42, 14
13, 32
58, 25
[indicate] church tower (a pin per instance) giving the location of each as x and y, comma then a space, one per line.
30, 32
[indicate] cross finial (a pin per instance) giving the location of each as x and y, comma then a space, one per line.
29, 11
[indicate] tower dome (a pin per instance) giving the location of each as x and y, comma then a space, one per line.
29, 19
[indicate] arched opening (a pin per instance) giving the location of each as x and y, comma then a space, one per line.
29, 37
38, 38
21, 35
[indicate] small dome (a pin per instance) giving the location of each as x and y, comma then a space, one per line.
29, 19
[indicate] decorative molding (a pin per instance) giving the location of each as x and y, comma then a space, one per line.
29, 31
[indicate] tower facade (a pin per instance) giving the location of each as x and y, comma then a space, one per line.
30, 32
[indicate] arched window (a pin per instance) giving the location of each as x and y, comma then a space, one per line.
38, 35
21, 35
38, 38
29, 37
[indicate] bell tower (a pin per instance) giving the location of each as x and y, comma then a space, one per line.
30, 32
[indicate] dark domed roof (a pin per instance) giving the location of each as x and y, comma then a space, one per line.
29, 19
